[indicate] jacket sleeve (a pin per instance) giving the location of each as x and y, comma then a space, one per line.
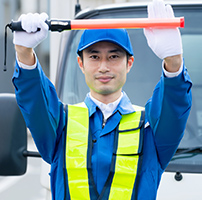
41, 108
167, 112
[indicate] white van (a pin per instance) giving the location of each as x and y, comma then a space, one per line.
182, 179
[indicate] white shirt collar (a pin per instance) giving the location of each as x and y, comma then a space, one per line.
107, 109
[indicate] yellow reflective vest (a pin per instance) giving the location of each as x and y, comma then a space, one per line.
123, 182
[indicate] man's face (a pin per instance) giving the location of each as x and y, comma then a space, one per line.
105, 66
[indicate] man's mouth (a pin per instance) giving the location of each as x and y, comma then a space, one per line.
104, 79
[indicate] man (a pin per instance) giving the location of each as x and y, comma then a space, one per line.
103, 148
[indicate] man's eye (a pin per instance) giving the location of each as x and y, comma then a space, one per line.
114, 56
94, 57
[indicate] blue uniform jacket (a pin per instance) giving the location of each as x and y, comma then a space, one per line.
166, 112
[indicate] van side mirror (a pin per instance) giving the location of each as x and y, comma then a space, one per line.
13, 137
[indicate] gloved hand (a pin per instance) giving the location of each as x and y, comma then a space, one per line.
163, 42
30, 23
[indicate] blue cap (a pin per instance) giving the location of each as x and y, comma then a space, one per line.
116, 36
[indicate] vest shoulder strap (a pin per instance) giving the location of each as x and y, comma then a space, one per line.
82, 104
138, 108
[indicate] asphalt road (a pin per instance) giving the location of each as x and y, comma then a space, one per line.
26, 187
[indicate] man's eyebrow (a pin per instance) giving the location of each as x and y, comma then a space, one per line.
116, 50
93, 51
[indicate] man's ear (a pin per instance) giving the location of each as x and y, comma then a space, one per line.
80, 62
130, 63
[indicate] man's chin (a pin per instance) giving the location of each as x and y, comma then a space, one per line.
106, 91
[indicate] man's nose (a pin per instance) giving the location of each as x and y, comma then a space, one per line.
104, 66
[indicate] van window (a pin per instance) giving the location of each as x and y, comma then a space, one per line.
192, 53
192, 140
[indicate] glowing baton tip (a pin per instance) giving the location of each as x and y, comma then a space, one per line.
181, 22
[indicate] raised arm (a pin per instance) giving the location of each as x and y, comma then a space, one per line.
35, 94
168, 109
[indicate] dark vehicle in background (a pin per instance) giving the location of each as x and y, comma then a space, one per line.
183, 176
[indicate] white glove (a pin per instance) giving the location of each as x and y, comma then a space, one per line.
163, 42
30, 23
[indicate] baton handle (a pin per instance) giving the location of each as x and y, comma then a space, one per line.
54, 25
61, 25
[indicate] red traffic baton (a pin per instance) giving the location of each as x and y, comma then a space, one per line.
128, 23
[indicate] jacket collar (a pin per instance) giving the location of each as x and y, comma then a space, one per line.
124, 106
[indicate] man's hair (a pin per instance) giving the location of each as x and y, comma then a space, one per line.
80, 53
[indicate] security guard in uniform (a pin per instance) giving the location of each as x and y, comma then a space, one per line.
105, 147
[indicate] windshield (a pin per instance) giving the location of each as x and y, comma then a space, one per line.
145, 74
